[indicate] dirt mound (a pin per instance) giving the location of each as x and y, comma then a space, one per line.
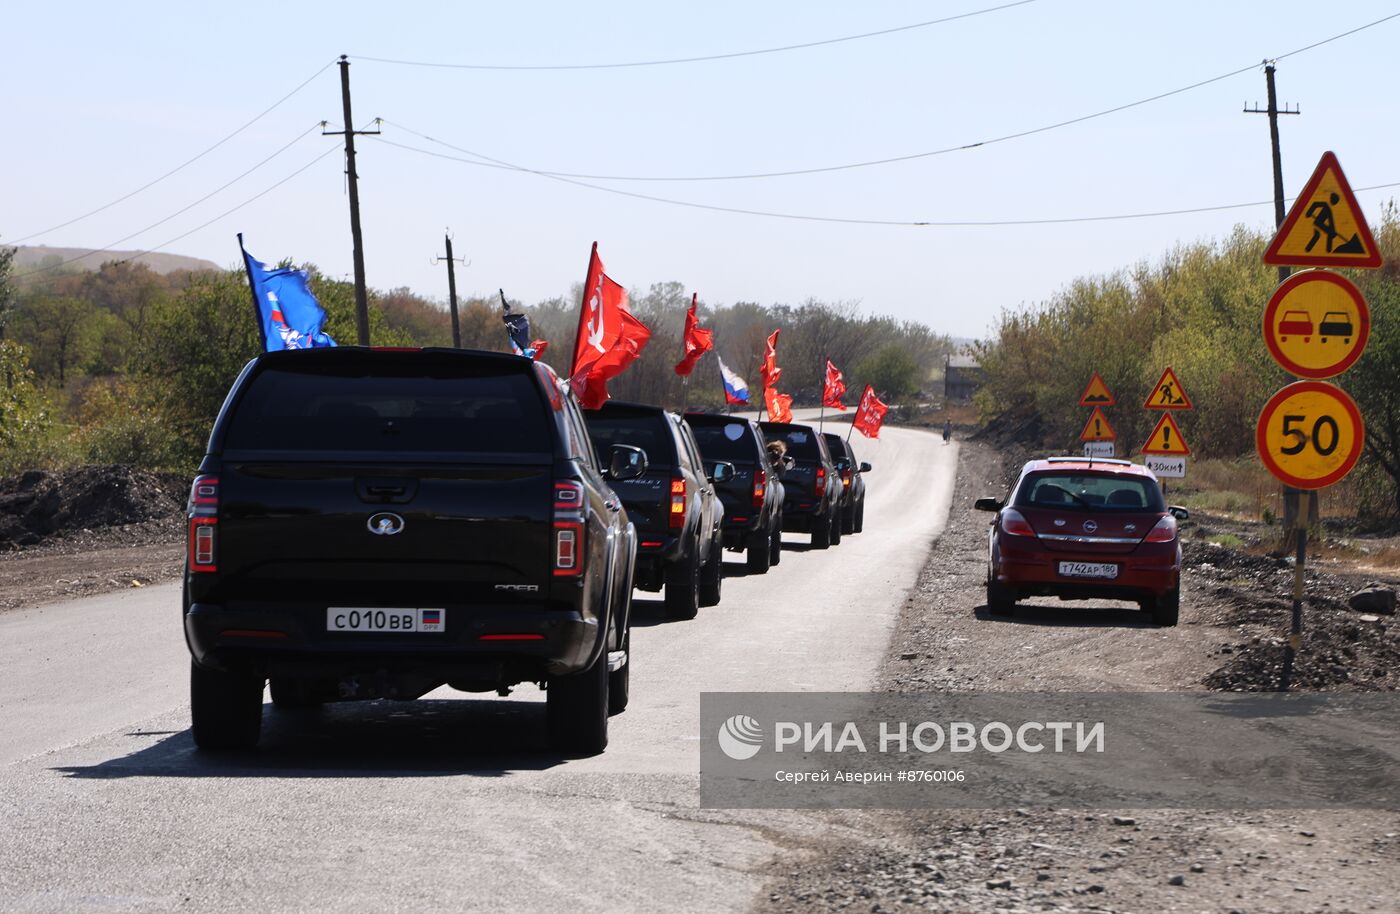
1013, 427
39, 505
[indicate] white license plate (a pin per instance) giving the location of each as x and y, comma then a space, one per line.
379, 619
1088, 570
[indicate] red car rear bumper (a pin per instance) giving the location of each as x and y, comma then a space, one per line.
1029, 568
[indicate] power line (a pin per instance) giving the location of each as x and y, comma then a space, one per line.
676, 60
182, 210
923, 223
934, 152
181, 166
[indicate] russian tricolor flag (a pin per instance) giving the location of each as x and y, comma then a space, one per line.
736, 391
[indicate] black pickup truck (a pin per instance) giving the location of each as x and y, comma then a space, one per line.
376, 524
852, 473
753, 497
812, 488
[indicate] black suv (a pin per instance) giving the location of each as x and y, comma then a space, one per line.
753, 498
375, 524
852, 476
673, 504
811, 490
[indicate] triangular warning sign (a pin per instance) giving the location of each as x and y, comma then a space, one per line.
1168, 393
1097, 393
1166, 439
1324, 227
1097, 428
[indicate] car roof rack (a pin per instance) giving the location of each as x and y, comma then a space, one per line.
1119, 462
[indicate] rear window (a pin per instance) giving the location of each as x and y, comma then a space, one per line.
732, 441
394, 407
801, 442
648, 431
1100, 492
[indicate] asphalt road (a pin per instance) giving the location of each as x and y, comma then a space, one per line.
449, 803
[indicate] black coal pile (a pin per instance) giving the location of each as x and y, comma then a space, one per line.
40, 505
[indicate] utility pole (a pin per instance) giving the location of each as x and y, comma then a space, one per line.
1273, 112
452, 291
357, 242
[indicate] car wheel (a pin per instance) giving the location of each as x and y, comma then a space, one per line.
712, 577
292, 694
576, 708
860, 517
1166, 608
821, 531
775, 544
848, 521
1001, 600
759, 553
225, 709
683, 587
620, 679
836, 525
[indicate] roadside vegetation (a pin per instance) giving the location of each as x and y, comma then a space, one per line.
125, 365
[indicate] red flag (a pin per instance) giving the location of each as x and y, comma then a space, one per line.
609, 338
770, 371
779, 405
539, 346
697, 340
871, 414
835, 387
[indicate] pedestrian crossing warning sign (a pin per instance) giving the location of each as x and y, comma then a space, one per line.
1168, 394
1166, 439
1324, 227
1097, 428
1097, 393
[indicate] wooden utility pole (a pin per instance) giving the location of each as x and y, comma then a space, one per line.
1273, 112
452, 293
357, 242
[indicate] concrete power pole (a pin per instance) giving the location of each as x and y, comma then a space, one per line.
1273, 112
357, 241
452, 291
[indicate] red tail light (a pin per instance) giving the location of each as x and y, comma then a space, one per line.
569, 529
819, 486
1013, 523
677, 503
202, 551
760, 482
1164, 532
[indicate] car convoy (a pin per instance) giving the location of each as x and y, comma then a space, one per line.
374, 523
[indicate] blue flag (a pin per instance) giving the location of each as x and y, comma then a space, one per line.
289, 317
518, 331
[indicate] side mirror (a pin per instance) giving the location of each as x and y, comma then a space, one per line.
1178, 512
721, 471
864, 467
626, 462
989, 504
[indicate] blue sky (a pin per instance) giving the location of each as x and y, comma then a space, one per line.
102, 98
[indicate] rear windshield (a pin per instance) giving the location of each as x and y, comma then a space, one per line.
801, 442
649, 431
837, 446
1100, 492
394, 407
730, 441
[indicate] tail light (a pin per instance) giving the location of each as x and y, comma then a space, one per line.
677, 503
1163, 532
1014, 523
819, 485
846, 478
569, 529
760, 482
202, 553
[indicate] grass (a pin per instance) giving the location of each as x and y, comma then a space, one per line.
1228, 540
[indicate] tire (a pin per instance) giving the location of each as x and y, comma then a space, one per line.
1001, 600
683, 588
225, 709
837, 527
759, 555
821, 531
775, 544
1166, 608
859, 524
848, 521
291, 694
712, 577
577, 708
620, 680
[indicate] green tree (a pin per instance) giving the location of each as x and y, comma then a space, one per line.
892, 372
7, 288
23, 415
60, 333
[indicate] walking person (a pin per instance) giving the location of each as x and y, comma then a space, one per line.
947, 430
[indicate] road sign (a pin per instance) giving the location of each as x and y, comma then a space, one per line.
1324, 227
1166, 467
1166, 439
1097, 428
1309, 434
1168, 394
1097, 393
1316, 324
1098, 449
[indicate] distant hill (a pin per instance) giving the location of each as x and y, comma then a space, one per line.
28, 258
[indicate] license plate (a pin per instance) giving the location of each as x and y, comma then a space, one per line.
1088, 570
378, 619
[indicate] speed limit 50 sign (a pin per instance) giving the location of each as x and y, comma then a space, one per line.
1310, 434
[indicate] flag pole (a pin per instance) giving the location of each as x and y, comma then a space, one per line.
253, 287
583, 303
821, 417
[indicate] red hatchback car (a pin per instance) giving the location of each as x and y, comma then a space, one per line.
1083, 530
